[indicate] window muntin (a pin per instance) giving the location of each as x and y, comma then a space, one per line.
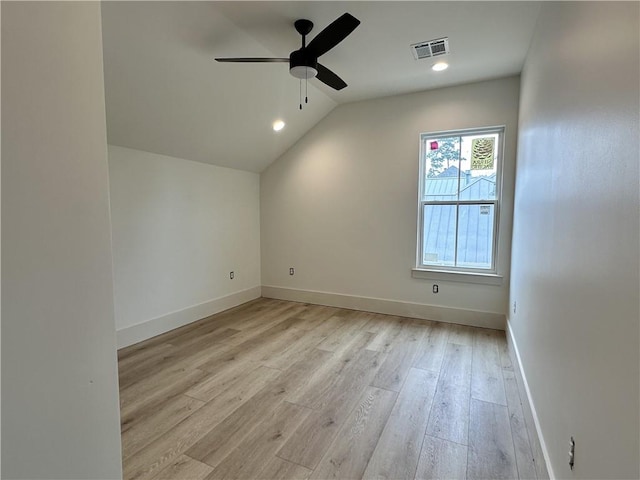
459, 200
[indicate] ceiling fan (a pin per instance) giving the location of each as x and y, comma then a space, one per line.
303, 63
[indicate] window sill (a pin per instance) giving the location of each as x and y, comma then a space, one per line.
464, 277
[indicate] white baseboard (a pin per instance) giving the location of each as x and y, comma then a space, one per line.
150, 328
538, 431
389, 307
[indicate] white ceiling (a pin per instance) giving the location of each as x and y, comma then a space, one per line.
165, 94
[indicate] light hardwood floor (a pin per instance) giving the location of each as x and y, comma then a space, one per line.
275, 389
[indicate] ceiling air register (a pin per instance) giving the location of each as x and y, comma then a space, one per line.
430, 48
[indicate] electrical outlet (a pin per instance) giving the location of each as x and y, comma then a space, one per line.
572, 452
231, 275
514, 308
435, 288
291, 271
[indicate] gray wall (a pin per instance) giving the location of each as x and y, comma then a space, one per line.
575, 242
179, 227
60, 415
341, 205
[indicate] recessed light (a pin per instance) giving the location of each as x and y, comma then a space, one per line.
440, 66
278, 125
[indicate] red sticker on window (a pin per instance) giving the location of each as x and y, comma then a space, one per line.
434, 145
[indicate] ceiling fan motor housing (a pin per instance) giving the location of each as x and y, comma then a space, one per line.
302, 64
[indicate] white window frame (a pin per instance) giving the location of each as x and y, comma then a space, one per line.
473, 275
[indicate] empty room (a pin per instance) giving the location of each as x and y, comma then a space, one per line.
320, 240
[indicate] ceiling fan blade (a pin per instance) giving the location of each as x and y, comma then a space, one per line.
333, 34
327, 77
254, 60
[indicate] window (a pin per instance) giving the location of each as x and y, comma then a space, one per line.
459, 200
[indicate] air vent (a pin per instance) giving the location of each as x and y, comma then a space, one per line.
431, 48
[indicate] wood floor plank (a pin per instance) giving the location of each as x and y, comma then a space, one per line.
146, 386
405, 347
441, 459
320, 320
505, 358
301, 376
456, 365
184, 468
227, 319
491, 453
340, 339
264, 354
216, 336
252, 350
349, 453
316, 315
433, 348
398, 450
291, 391
219, 442
461, 334
306, 342
216, 445
385, 334
486, 372
144, 430
144, 355
262, 323
185, 358
323, 380
357, 373
213, 447
352, 342
213, 384
279, 469
263, 442
523, 451
247, 319
313, 437
377, 322
508, 359
137, 372
155, 456
165, 387
449, 419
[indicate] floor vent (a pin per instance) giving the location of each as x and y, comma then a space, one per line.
431, 48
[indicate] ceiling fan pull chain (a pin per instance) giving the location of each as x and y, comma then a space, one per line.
300, 94
306, 82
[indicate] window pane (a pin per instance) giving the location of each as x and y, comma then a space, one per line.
464, 164
460, 168
439, 234
475, 236
478, 166
442, 162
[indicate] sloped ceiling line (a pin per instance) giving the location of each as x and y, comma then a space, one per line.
165, 94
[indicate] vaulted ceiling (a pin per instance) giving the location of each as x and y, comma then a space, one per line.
165, 94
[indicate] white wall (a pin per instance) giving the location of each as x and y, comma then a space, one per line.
0, 264
179, 228
576, 236
340, 206
60, 416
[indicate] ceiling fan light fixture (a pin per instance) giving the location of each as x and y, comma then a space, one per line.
303, 72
